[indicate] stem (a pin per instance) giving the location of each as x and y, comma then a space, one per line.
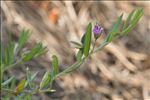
46, 90
93, 46
71, 68
12, 65
92, 51
76, 64
67, 70
100, 47
9, 90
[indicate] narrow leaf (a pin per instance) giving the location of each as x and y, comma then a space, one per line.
24, 35
76, 45
129, 18
79, 54
36, 51
9, 54
30, 78
87, 41
20, 87
83, 39
7, 81
55, 65
45, 80
136, 17
114, 30
116, 26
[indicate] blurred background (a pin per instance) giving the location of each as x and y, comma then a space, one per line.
121, 71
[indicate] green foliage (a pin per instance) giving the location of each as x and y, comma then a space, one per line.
13, 55
24, 35
20, 87
55, 65
7, 81
36, 51
46, 80
76, 44
9, 54
11, 58
132, 20
127, 22
115, 29
80, 51
30, 78
79, 54
87, 40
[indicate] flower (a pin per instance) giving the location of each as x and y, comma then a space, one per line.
97, 30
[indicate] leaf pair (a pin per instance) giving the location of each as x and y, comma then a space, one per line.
129, 24
116, 30
50, 76
132, 20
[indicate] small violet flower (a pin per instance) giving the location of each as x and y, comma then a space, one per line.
97, 30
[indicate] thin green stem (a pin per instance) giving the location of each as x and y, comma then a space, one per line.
93, 46
100, 47
12, 65
71, 68
76, 64
8, 90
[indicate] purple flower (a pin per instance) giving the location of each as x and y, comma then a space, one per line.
97, 30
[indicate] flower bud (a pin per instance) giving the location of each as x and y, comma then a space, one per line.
97, 30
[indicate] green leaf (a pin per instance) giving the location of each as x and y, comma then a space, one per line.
76, 44
41, 51
80, 51
87, 40
137, 14
24, 35
129, 18
115, 29
55, 65
116, 26
7, 81
13, 84
45, 80
28, 97
79, 54
36, 51
109, 38
20, 87
83, 39
30, 78
9, 54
